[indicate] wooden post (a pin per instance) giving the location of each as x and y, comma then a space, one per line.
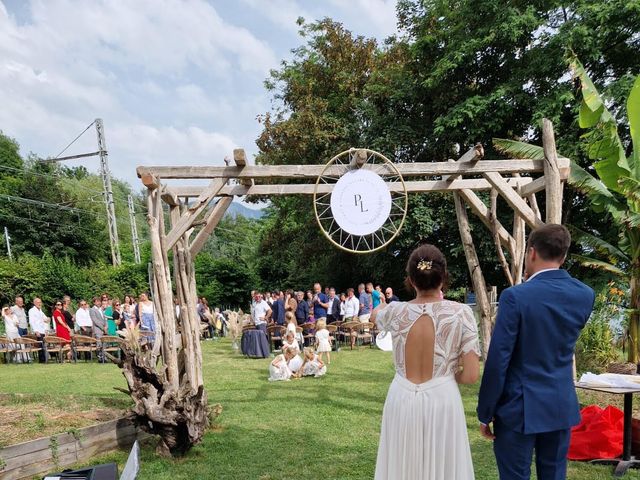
553, 182
479, 285
496, 238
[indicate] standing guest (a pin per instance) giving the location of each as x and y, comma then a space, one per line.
83, 319
99, 323
68, 313
527, 389
389, 296
38, 322
376, 295
323, 340
62, 329
127, 313
309, 300
364, 313
268, 298
320, 303
135, 311
107, 308
277, 309
206, 317
11, 323
290, 302
261, 312
326, 291
351, 306
118, 319
147, 317
21, 315
302, 310
333, 306
343, 299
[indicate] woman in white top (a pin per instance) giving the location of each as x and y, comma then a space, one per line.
10, 323
435, 347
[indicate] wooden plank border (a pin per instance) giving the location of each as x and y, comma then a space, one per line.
48, 454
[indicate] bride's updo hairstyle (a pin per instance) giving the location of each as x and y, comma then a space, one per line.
426, 269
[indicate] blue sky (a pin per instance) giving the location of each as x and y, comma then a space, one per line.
176, 82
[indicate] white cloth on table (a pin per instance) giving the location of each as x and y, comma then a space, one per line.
611, 380
322, 337
295, 363
280, 371
424, 431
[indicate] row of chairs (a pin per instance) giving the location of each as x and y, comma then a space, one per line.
352, 333
29, 347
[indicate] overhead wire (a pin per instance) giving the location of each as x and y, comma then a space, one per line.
75, 139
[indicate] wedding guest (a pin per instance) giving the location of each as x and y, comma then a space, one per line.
351, 306
431, 340
99, 325
527, 389
295, 364
118, 317
38, 322
11, 323
320, 303
312, 365
343, 299
277, 309
323, 340
390, 297
62, 329
364, 312
376, 295
292, 327
68, 312
333, 306
279, 368
302, 310
107, 308
20, 313
127, 310
147, 315
83, 319
290, 302
309, 300
261, 312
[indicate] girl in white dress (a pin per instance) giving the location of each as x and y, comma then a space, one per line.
295, 364
435, 347
323, 341
312, 365
292, 325
279, 368
291, 342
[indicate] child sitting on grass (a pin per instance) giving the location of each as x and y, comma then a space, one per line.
279, 368
291, 342
312, 365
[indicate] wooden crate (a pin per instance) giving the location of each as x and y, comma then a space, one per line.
48, 454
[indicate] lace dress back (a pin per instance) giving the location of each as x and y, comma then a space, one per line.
455, 332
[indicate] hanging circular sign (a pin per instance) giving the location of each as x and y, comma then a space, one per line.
360, 200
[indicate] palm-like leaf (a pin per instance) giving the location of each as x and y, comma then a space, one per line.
598, 264
516, 149
591, 241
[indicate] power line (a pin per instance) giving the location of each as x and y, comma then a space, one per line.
75, 139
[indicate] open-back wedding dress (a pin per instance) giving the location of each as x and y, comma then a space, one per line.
424, 432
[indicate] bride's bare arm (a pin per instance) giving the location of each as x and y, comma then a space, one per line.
469, 369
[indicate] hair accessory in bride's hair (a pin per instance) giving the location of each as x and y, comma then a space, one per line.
424, 264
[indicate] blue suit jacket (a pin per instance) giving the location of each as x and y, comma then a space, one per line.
528, 376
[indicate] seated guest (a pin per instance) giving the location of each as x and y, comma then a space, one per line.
83, 319
312, 365
290, 342
295, 363
278, 368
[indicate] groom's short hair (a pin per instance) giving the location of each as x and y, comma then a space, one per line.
551, 241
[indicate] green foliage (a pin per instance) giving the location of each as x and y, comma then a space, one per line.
223, 281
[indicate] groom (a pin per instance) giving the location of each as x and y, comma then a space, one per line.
527, 389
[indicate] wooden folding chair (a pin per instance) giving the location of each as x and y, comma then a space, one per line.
56, 345
275, 333
333, 330
82, 343
112, 343
6, 349
349, 333
308, 333
28, 345
364, 333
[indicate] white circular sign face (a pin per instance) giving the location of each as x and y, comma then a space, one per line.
360, 202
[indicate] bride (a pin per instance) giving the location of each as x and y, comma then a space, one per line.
435, 347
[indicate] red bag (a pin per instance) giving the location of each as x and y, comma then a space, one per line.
599, 434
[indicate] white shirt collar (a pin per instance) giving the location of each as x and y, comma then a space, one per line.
539, 272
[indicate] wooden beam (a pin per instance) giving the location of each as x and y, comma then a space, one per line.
514, 200
496, 237
551, 174
534, 187
418, 169
307, 189
213, 217
240, 157
472, 155
150, 181
169, 197
188, 217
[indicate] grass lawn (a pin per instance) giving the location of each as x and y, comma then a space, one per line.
311, 428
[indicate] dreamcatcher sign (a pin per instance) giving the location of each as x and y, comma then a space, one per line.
360, 201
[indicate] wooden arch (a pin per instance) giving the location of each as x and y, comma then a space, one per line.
172, 398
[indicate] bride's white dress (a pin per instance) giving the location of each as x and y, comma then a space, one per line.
424, 432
